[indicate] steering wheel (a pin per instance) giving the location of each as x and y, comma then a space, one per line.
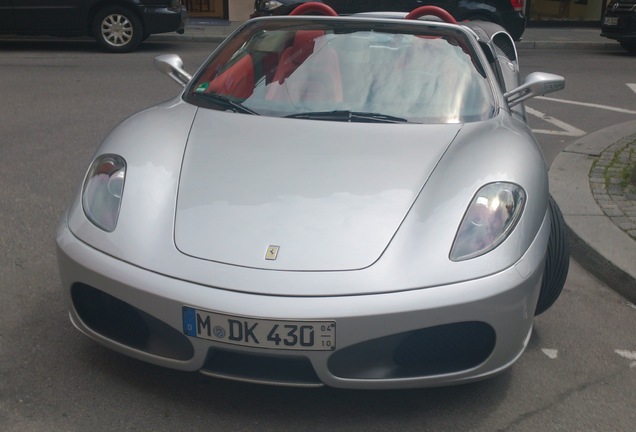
436, 11
314, 7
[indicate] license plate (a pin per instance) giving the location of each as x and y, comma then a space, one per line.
610, 21
258, 332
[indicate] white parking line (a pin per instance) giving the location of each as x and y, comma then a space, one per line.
551, 353
629, 355
632, 86
591, 105
565, 129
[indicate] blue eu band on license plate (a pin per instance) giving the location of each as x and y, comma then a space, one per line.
258, 332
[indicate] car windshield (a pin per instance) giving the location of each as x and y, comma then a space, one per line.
353, 70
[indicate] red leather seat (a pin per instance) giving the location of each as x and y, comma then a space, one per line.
319, 81
236, 81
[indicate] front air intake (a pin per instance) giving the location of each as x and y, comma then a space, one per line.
117, 320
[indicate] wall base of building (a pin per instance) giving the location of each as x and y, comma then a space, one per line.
538, 11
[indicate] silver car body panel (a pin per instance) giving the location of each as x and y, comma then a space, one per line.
505, 301
147, 216
330, 198
364, 216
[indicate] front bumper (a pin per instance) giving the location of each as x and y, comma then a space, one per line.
620, 26
164, 19
412, 338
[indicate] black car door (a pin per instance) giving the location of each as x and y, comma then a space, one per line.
47, 16
6, 16
355, 6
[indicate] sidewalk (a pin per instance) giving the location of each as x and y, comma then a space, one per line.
213, 30
584, 178
565, 38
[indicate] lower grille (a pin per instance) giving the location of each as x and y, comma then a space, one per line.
447, 348
117, 320
505, 44
431, 351
261, 369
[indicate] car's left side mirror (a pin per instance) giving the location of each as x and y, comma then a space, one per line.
172, 65
535, 84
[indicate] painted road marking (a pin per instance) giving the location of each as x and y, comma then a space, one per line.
591, 105
565, 129
569, 130
551, 353
629, 355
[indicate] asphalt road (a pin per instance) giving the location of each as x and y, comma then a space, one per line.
596, 94
60, 98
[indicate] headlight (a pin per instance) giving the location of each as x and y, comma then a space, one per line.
491, 216
102, 191
270, 5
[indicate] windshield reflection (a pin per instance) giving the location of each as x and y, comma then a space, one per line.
430, 78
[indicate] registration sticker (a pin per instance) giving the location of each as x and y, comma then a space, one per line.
258, 332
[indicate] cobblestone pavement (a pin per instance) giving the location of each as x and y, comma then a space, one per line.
613, 183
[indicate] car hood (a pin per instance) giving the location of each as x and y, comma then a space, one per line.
314, 195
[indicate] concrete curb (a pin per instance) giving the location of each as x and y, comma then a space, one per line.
597, 243
545, 45
534, 38
187, 38
568, 45
196, 35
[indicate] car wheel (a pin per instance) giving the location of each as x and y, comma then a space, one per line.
557, 261
630, 47
117, 29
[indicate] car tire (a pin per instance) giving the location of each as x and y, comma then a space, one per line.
557, 261
630, 47
117, 29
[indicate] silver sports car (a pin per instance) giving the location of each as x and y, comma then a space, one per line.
346, 201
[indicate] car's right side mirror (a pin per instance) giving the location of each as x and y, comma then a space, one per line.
172, 65
535, 84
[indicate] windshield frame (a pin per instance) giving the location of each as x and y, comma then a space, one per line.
244, 35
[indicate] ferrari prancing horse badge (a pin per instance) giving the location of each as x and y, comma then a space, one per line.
272, 253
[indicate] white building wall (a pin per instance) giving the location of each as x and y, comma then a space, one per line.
240, 10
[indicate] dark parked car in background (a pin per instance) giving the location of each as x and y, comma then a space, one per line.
619, 23
507, 13
117, 25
